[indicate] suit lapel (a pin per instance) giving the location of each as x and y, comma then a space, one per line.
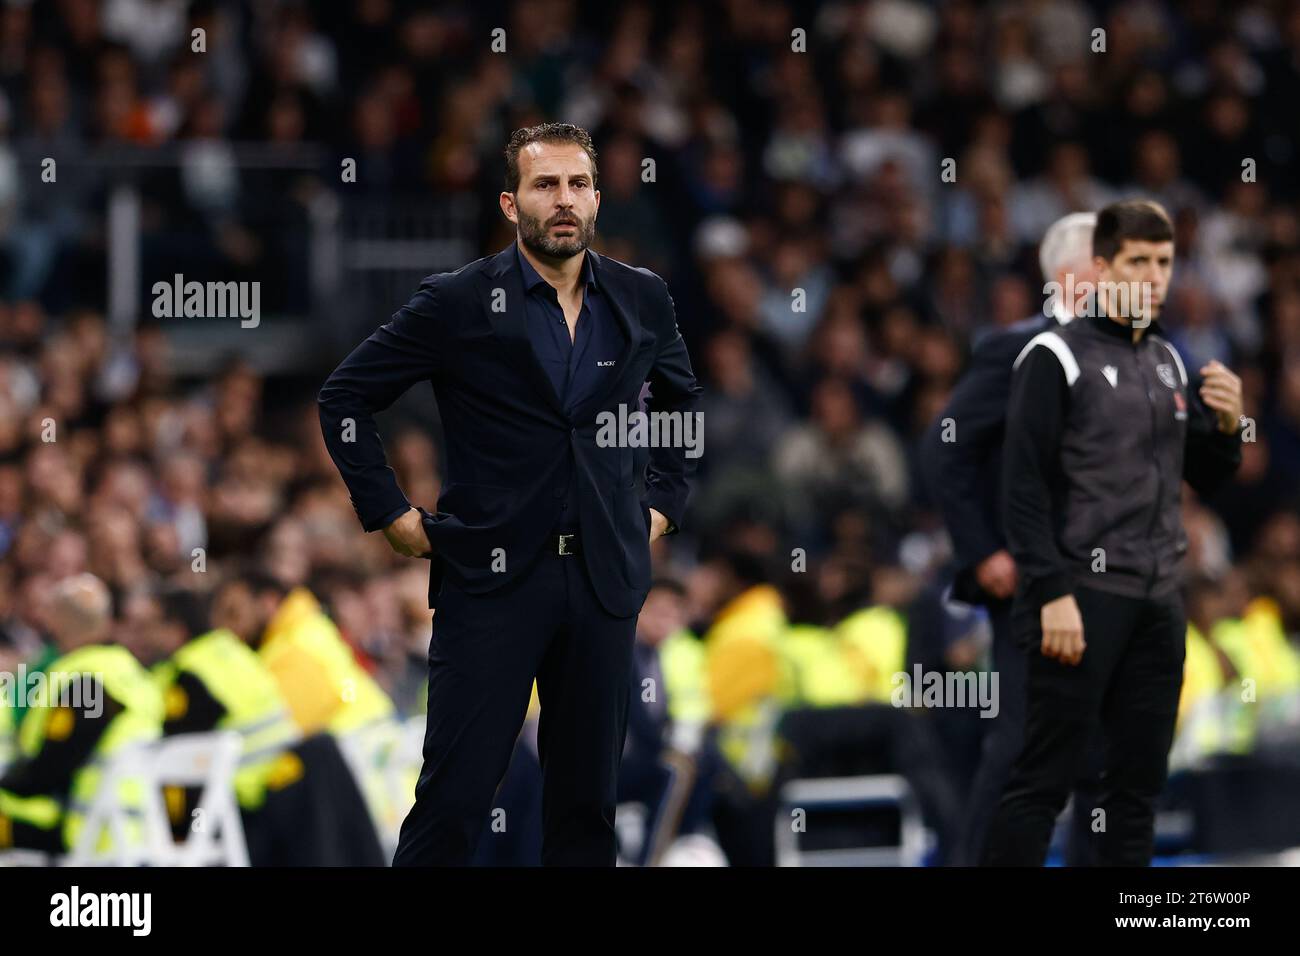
510, 328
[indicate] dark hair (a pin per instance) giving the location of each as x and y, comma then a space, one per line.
748, 567
1138, 219
185, 608
545, 133
803, 600
667, 582
257, 580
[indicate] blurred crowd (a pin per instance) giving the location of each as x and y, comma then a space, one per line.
828, 276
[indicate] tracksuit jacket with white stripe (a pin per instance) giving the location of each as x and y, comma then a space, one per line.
1101, 432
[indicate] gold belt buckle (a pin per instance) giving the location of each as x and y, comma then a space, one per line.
564, 543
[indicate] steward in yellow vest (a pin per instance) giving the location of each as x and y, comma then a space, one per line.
746, 676
8, 738
93, 702
217, 682
1266, 687
322, 683
681, 655
819, 677
873, 642
1211, 718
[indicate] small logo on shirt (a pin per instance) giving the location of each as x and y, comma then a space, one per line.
1165, 373
605, 364
1111, 373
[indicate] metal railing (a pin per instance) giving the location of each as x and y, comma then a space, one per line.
359, 255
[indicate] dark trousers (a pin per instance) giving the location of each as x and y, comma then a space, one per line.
1002, 743
486, 651
1127, 686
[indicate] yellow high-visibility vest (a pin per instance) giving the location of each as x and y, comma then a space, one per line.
8, 735
874, 642
741, 651
1202, 675
140, 721
234, 674
1257, 645
322, 683
745, 676
682, 658
821, 675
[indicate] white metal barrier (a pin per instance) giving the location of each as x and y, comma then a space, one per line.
868, 792
141, 835
385, 759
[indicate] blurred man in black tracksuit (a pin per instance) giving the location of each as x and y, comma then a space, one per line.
961, 457
1103, 426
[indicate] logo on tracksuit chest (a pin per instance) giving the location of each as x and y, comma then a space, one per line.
1166, 375
1168, 378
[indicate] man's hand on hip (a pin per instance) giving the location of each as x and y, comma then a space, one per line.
658, 524
1063, 630
407, 537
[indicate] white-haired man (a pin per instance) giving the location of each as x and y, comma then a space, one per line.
961, 458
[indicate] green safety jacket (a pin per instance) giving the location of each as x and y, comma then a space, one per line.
681, 656
8, 740
217, 682
66, 740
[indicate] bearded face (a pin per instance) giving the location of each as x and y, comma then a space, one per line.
556, 202
564, 235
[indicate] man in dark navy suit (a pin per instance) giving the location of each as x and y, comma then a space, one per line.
961, 457
540, 546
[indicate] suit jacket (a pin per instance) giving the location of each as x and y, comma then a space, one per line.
964, 475
507, 433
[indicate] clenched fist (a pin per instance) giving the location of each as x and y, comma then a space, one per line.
1221, 391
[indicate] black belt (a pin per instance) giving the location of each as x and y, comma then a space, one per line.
563, 544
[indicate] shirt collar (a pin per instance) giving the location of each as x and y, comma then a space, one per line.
1110, 327
532, 278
